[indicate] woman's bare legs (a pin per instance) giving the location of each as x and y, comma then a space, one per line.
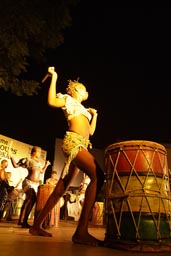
30, 201
87, 163
22, 212
59, 190
27, 207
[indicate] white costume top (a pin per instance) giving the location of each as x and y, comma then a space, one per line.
73, 107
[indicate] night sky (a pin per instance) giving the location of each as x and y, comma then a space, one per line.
122, 55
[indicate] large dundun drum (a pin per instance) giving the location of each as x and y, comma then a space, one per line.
138, 200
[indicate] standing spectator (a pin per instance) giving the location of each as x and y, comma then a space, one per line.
5, 188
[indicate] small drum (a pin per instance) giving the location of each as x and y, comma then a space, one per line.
138, 201
13, 195
43, 194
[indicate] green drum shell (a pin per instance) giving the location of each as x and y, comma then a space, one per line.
139, 228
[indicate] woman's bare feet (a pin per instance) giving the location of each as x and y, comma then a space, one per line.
39, 232
86, 239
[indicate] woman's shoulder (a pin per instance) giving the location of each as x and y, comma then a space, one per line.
62, 95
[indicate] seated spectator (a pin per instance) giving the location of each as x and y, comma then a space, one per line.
53, 179
82, 190
11, 199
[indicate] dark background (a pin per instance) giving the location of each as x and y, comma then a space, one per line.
122, 55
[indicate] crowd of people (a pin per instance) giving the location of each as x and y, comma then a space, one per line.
76, 144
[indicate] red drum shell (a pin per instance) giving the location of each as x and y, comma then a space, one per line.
140, 156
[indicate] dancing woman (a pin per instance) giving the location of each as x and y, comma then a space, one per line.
81, 125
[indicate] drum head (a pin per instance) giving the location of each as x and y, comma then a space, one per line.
134, 143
